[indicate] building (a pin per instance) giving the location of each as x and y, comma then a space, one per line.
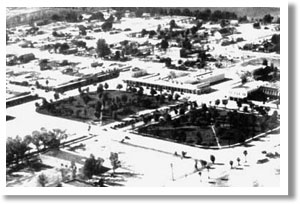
168, 86
26, 58
242, 92
197, 83
272, 90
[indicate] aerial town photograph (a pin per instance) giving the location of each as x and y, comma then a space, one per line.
143, 97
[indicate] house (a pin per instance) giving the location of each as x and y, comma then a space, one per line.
11, 60
234, 22
272, 90
146, 15
26, 44
26, 58
41, 22
242, 92
70, 51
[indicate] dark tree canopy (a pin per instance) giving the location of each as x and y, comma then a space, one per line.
267, 19
164, 44
107, 26
102, 48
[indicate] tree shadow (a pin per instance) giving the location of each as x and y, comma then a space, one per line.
239, 168
220, 164
34, 166
248, 145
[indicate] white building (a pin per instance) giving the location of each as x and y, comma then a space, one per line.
242, 92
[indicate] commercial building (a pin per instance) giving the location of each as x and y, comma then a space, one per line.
197, 84
270, 90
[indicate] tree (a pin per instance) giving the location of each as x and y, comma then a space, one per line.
245, 154
100, 89
55, 17
243, 19
231, 164
238, 160
71, 17
256, 25
177, 96
275, 39
110, 19
244, 79
114, 159
267, 19
89, 166
97, 115
107, 26
168, 62
124, 98
64, 47
119, 86
239, 104
164, 44
98, 107
56, 95
153, 92
144, 32
265, 62
118, 15
173, 24
42, 180
212, 158
216, 15
158, 28
97, 16
170, 97
217, 102
199, 138
139, 12
223, 23
225, 102
140, 91
203, 163
102, 48
187, 44
117, 55
106, 86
